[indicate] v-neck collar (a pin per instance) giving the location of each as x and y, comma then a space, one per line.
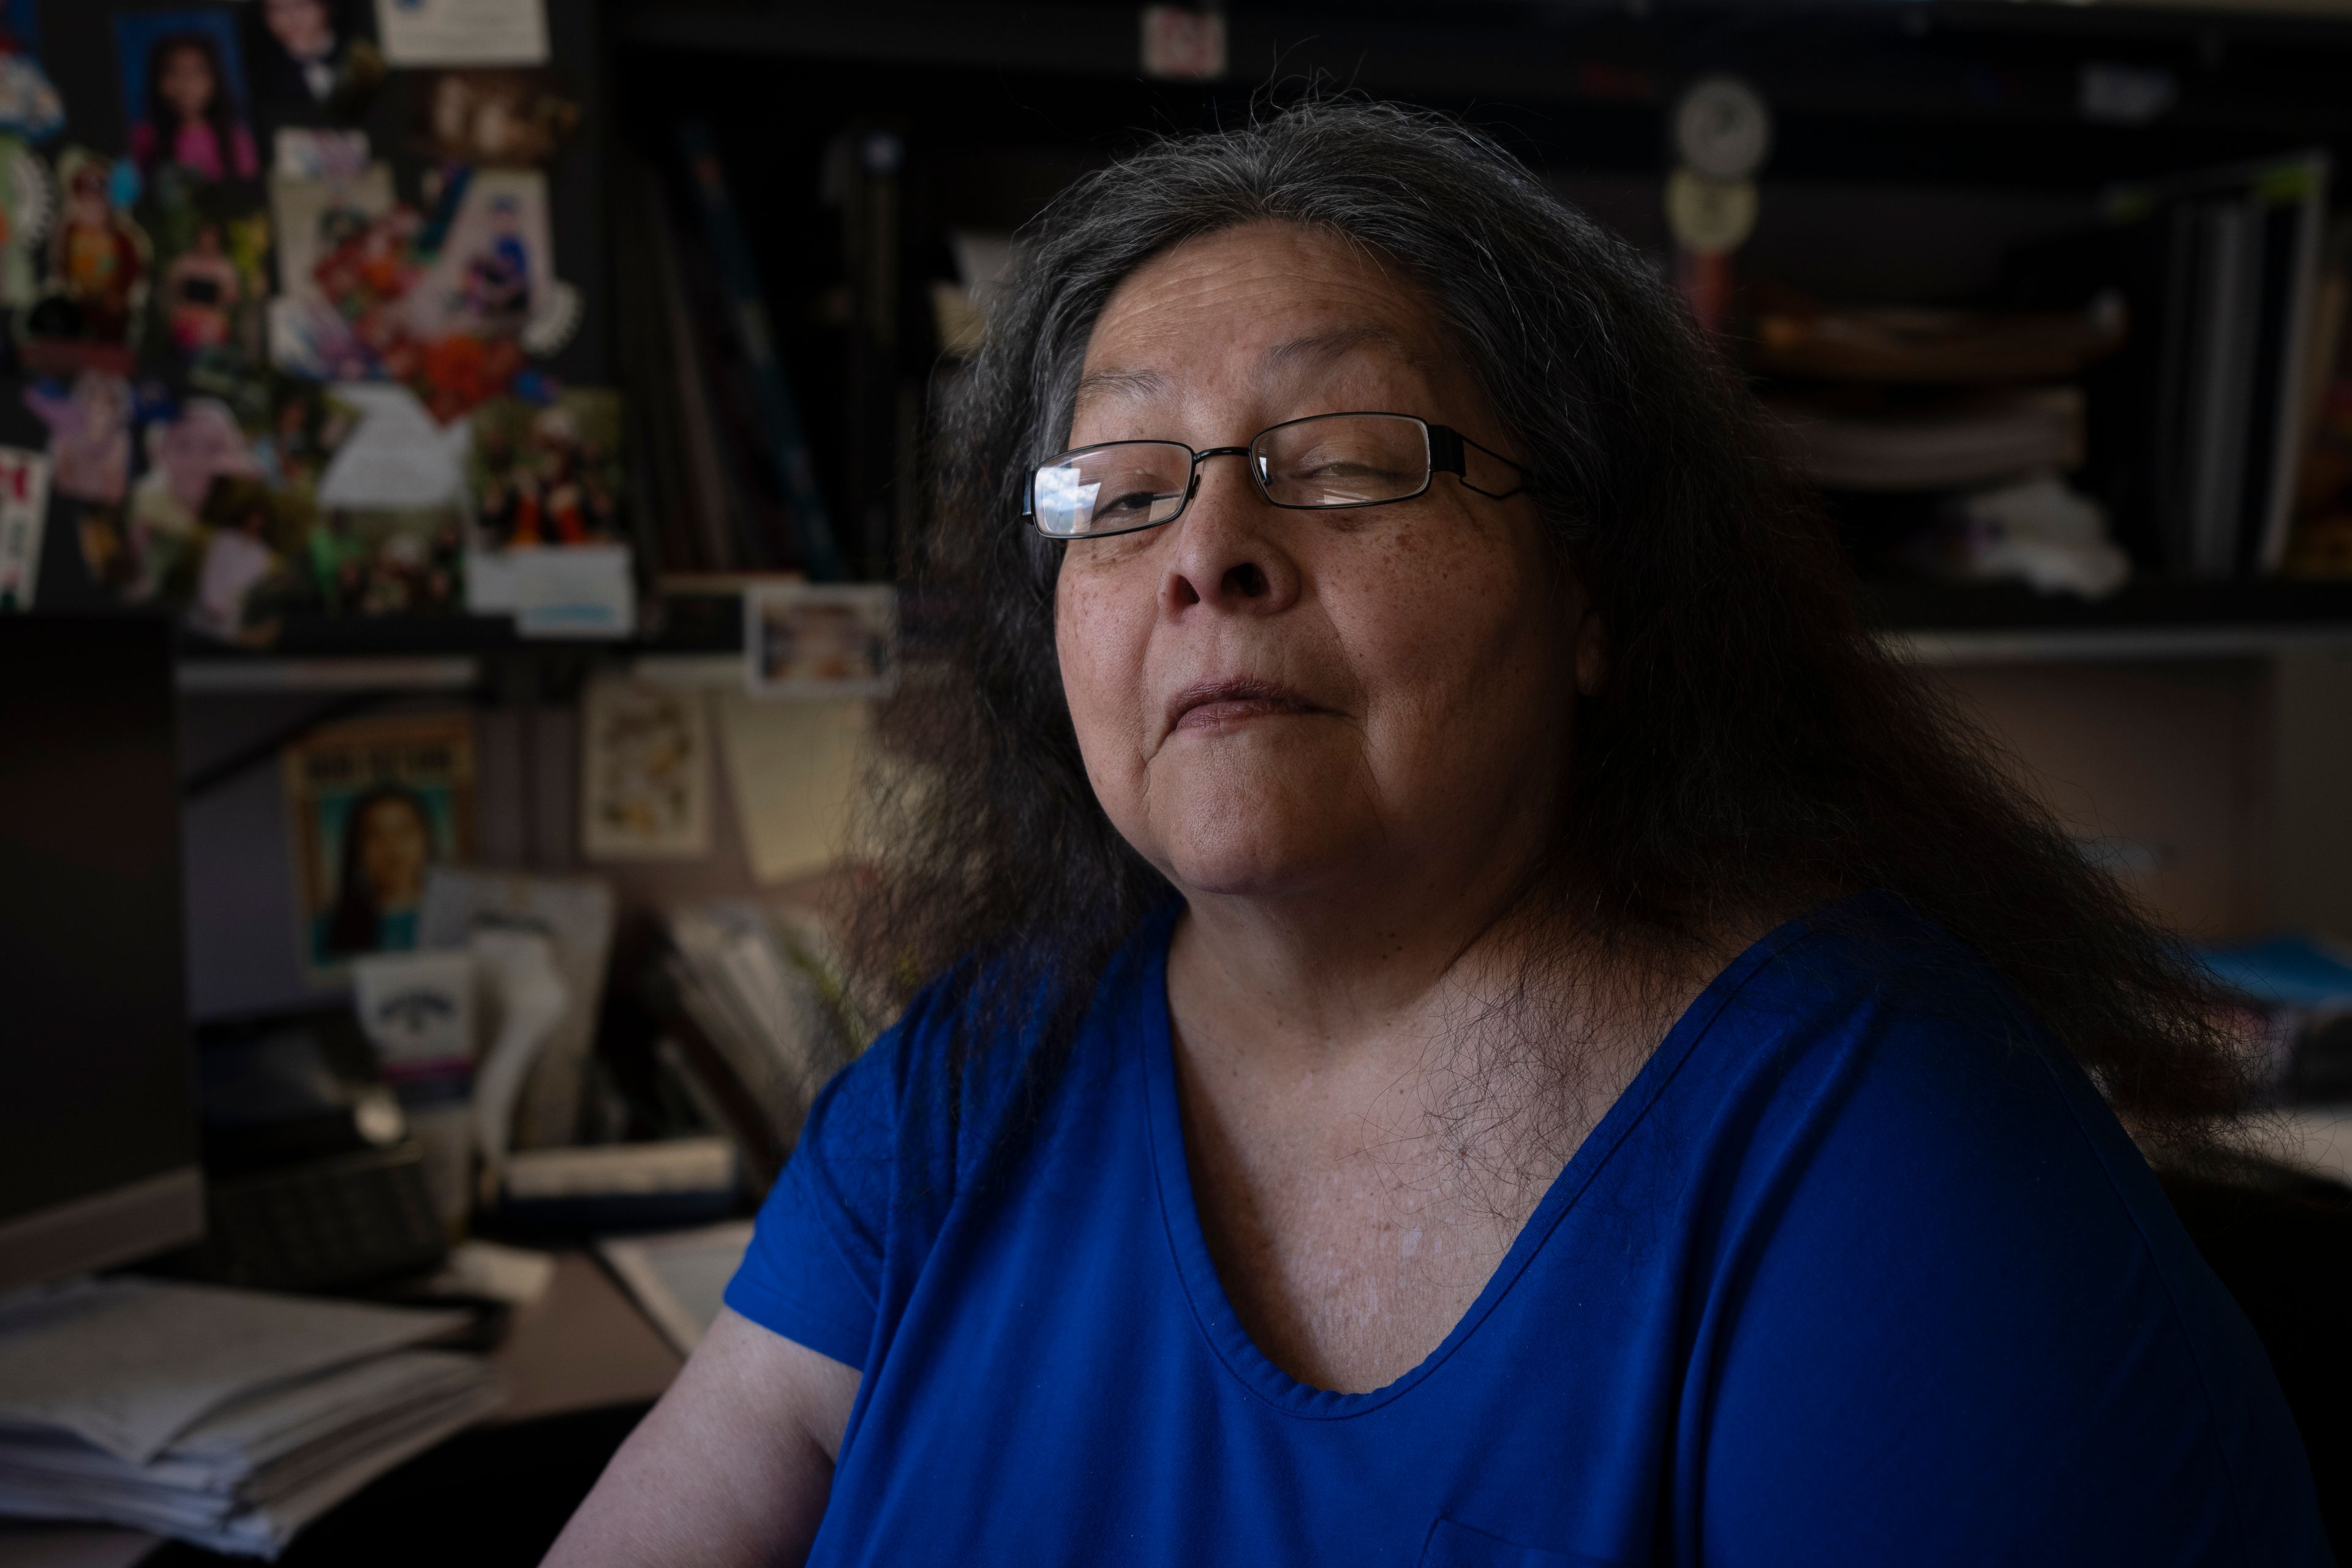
1188, 1245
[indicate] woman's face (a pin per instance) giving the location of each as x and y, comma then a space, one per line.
1275, 704
393, 852
186, 82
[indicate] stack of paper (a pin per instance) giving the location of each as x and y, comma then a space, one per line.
1969, 441
229, 1418
762, 984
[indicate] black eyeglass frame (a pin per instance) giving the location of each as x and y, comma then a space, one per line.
1444, 445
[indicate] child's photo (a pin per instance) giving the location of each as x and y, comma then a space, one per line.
183, 87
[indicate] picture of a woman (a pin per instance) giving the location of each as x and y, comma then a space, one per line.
388, 841
191, 118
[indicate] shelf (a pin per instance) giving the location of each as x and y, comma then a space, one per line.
2009, 623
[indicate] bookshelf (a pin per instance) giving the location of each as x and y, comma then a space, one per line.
1934, 119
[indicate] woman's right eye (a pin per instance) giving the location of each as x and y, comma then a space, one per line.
1129, 502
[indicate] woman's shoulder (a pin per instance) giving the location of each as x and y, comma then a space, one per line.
979, 1046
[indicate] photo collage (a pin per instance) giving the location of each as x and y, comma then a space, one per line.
284, 308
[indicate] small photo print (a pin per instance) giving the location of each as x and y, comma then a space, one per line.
823, 641
183, 87
645, 772
547, 475
370, 807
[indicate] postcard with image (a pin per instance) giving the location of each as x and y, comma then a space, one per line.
825, 641
645, 772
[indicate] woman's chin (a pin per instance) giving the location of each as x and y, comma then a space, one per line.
1260, 860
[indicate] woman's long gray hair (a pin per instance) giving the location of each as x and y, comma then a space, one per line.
1750, 751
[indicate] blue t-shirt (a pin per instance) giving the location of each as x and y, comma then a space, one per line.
1859, 1269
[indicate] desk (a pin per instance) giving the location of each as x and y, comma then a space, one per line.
583, 1346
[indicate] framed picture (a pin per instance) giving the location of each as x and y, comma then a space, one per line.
370, 807
821, 640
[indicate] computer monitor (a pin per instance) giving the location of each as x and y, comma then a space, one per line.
98, 1115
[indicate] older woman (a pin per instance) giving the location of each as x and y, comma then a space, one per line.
1473, 1018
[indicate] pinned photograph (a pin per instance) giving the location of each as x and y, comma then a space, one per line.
494, 276
28, 203
407, 563
90, 435
370, 807
310, 152
342, 270
492, 119
187, 448
463, 32
183, 85
23, 520
645, 772
312, 54
98, 264
244, 581
547, 475
212, 278
821, 641
29, 103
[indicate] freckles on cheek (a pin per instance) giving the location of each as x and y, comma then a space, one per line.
1101, 663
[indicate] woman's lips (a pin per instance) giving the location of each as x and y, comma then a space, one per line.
1218, 704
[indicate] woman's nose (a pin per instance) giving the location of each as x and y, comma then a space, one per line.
1229, 554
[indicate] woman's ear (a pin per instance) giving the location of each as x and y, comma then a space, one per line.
1592, 655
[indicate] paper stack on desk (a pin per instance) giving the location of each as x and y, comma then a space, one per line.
229, 1418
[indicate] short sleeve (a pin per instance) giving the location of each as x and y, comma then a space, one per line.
1968, 1329
814, 1270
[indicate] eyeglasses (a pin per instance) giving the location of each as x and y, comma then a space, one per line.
1317, 464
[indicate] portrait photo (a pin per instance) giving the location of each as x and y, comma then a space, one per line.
370, 807
184, 90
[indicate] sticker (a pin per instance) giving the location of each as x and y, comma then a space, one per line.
27, 204
1709, 217
24, 517
462, 32
90, 435
308, 152
645, 772
98, 265
370, 808
1723, 127
184, 83
547, 476
821, 641
313, 55
492, 119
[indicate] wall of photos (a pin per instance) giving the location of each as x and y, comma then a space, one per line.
306, 308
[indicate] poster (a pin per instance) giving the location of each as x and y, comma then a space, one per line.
370, 807
645, 772
24, 517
